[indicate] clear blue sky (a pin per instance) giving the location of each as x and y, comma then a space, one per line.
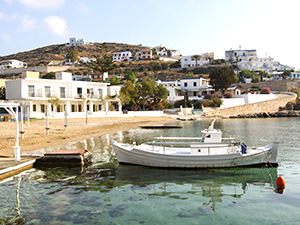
190, 26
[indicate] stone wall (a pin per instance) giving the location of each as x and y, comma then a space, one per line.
269, 106
41, 69
276, 85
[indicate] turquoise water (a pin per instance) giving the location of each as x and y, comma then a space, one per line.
106, 193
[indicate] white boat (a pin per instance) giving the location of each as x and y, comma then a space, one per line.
210, 151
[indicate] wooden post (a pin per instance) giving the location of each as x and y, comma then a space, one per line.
47, 124
66, 118
17, 148
22, 114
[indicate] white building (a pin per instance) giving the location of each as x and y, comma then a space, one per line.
12, 63
248, 60
86, 60
174, 53
73, 41
121, 56
195, 88
160, 51
240, 55
77, 97
200, 60
143, 54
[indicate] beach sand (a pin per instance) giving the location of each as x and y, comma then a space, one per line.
35, 133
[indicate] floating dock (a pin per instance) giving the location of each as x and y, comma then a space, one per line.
64, 157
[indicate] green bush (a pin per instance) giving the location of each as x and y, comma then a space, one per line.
297, 92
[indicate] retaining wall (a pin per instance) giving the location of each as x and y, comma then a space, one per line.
269, 106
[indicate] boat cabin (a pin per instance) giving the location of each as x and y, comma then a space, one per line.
212, 136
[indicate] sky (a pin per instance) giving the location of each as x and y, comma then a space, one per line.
190, 26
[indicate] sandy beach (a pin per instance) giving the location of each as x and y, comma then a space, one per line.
35, 133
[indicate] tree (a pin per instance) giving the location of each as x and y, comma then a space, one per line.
129, 95
190, 75
2, 93
54, 103
255, 78
196, 57
247, 73
286, 74
142, 94
115, 80
72, 55
222, 77
262, 74
130, 76
104, 62
50, 75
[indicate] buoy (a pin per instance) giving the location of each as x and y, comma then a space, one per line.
280, 182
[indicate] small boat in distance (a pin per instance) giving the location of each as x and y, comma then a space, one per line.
209, 151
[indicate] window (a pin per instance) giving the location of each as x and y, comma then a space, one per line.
42, 108
99, 107
47, 92
72, 108
58, 108
34, 108
62, 92
195, 93
185, 84
195, 84
30, 90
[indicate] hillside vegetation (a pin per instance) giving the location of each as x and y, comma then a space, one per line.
159, 70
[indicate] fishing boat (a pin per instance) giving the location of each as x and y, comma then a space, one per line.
209, 151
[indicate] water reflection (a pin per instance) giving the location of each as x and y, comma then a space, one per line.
113, 194
213, 184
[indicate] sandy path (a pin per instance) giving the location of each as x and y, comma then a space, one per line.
35, 134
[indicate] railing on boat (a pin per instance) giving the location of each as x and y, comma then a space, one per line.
186, 143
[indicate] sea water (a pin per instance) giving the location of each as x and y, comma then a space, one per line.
108, 193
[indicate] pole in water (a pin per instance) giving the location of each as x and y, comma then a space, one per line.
280, 185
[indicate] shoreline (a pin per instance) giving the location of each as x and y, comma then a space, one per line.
35, 136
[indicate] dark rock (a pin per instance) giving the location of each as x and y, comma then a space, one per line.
289, 106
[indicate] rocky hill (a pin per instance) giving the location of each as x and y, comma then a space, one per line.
159, 70
44, 55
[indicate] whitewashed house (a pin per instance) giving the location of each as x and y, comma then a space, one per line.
12, 63
195, 88
160, 51
192, 61
122, 56
174, 53
248, 60
73, 41
78, 98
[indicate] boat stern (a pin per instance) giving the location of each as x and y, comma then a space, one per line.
273, 161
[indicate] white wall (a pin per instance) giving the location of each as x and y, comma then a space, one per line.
238, 100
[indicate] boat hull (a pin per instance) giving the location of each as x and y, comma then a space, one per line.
127, 154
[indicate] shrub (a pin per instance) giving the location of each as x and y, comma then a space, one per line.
227, 95
297, 92
266, 90
211, 96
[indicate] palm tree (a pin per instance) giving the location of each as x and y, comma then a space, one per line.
196, 57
